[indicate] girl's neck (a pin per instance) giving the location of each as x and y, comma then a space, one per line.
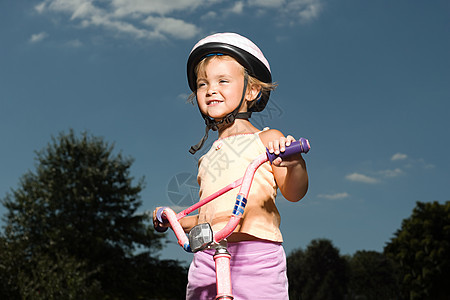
239, 126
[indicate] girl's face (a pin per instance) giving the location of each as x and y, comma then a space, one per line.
219, 87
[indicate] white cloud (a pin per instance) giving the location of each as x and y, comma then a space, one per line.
293, 11
127, 16
40, 7
267, 3
237, 8
399, 156
74, 43
160, 19
161, 7
67, 6
38, 37
391, 173
209, 15
403, 167
424, 164
357, 177
121, 27
303, 11
175, 27
310, 11
336, 196
85, 10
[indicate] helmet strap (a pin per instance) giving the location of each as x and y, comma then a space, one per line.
229, 119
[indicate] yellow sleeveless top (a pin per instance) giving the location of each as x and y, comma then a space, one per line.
226, 162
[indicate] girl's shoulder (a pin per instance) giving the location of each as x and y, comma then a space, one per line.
269, 135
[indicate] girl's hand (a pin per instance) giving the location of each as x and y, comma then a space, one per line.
292, 180
160, 227
278, 146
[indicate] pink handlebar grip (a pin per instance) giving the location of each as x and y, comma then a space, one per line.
167, 215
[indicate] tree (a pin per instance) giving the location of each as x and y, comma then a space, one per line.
319, 273
74, 225
9, 262
421, 248
295, 273
372, 276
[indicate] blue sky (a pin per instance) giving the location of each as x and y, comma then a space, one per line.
367, 82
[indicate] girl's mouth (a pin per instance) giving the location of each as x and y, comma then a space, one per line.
213, 102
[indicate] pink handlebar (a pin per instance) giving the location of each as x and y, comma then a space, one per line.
165, 214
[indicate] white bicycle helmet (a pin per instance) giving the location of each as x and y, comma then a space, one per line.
247, 54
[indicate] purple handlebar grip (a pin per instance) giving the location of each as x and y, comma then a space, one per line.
159, 215
162, 220
300, 146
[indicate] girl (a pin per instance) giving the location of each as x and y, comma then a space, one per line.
230, 79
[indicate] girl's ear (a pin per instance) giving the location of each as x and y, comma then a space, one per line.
253, 92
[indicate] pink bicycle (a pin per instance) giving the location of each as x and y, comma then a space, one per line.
202, 237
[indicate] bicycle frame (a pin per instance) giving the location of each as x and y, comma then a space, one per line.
217, 240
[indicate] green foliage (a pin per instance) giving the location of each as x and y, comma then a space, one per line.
59, 277
296, 274
72, 228
10, 259
415, 264
319, 273
421, 248
372, 276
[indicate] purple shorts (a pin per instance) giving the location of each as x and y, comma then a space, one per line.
258, 271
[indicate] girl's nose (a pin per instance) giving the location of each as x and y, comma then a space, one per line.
212, 90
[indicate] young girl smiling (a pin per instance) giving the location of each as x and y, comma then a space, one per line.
230, 79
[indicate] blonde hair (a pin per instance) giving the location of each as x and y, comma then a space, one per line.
265, 88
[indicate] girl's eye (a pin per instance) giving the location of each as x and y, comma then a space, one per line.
200, 84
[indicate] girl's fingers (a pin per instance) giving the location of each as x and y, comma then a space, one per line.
276, 147
277, 162
279, 145
289, 140
270, 147
282, 144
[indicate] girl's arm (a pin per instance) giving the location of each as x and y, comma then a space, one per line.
290, 174
188, 222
